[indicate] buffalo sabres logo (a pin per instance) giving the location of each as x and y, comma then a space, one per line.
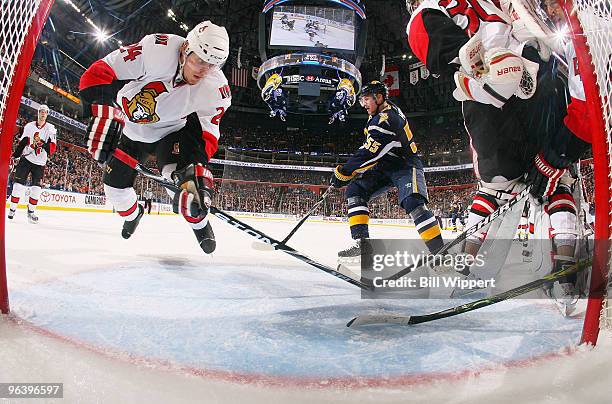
141, 108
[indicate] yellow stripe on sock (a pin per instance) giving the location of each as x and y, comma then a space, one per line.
431, 233
358, 219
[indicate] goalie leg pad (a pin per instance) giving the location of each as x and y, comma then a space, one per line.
562, 211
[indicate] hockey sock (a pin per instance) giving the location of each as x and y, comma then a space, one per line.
33, 201
562, 211
482, 206
428, 228
358, 217
16, 195
124, 200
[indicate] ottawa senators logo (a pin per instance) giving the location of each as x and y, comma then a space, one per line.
36, 141
141, 108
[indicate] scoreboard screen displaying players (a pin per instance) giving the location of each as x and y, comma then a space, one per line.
313, 27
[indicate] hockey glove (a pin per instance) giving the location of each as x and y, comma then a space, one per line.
339, 180
103, 132
548, 168
195, 198
49, 147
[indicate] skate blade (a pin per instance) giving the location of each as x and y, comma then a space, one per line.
349, 261
566, 308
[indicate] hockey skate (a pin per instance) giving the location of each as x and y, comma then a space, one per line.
565, 297
11, 214
129, 226
352, 255
32, 218
563, 292
206, 238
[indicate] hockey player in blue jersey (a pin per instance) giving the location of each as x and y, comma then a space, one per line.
274, 96
386, 159
342, 101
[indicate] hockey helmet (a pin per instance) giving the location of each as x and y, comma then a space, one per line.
375, 87
43, 107
210, 42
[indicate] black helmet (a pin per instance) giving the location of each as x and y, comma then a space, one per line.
375, 87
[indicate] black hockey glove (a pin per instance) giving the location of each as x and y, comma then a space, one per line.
195, 199
49, 148
105, 126
339, 180
548, 168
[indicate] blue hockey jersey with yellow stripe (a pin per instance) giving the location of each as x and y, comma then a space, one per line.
388, 139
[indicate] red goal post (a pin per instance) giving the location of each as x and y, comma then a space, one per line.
591, 34
21, 22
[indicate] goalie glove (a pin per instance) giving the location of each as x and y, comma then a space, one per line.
548, 169
103, 131
495, 77
195, 198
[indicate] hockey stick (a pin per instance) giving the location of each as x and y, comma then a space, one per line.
466, 233
267, 247
261, 236
369, 319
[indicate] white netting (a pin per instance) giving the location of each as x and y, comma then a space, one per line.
15, 19
595, 18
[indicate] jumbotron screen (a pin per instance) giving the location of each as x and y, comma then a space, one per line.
313, 27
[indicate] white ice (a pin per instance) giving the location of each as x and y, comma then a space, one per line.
152, 319
333, 37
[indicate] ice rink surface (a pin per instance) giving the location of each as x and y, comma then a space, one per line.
331, 37
153, 319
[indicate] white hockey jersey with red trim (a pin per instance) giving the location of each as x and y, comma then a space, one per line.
34, 152
154, 106
437, 44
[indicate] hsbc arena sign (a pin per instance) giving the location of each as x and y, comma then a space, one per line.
291, 63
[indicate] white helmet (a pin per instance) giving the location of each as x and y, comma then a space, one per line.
43, 107
210, 42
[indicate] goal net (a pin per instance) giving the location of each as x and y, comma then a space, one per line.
591, 34
21, 22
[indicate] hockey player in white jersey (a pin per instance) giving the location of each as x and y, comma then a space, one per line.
37, 142
163, 96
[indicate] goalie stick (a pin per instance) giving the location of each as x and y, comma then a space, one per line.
268, 247
370, 319
466, 233
229, 219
